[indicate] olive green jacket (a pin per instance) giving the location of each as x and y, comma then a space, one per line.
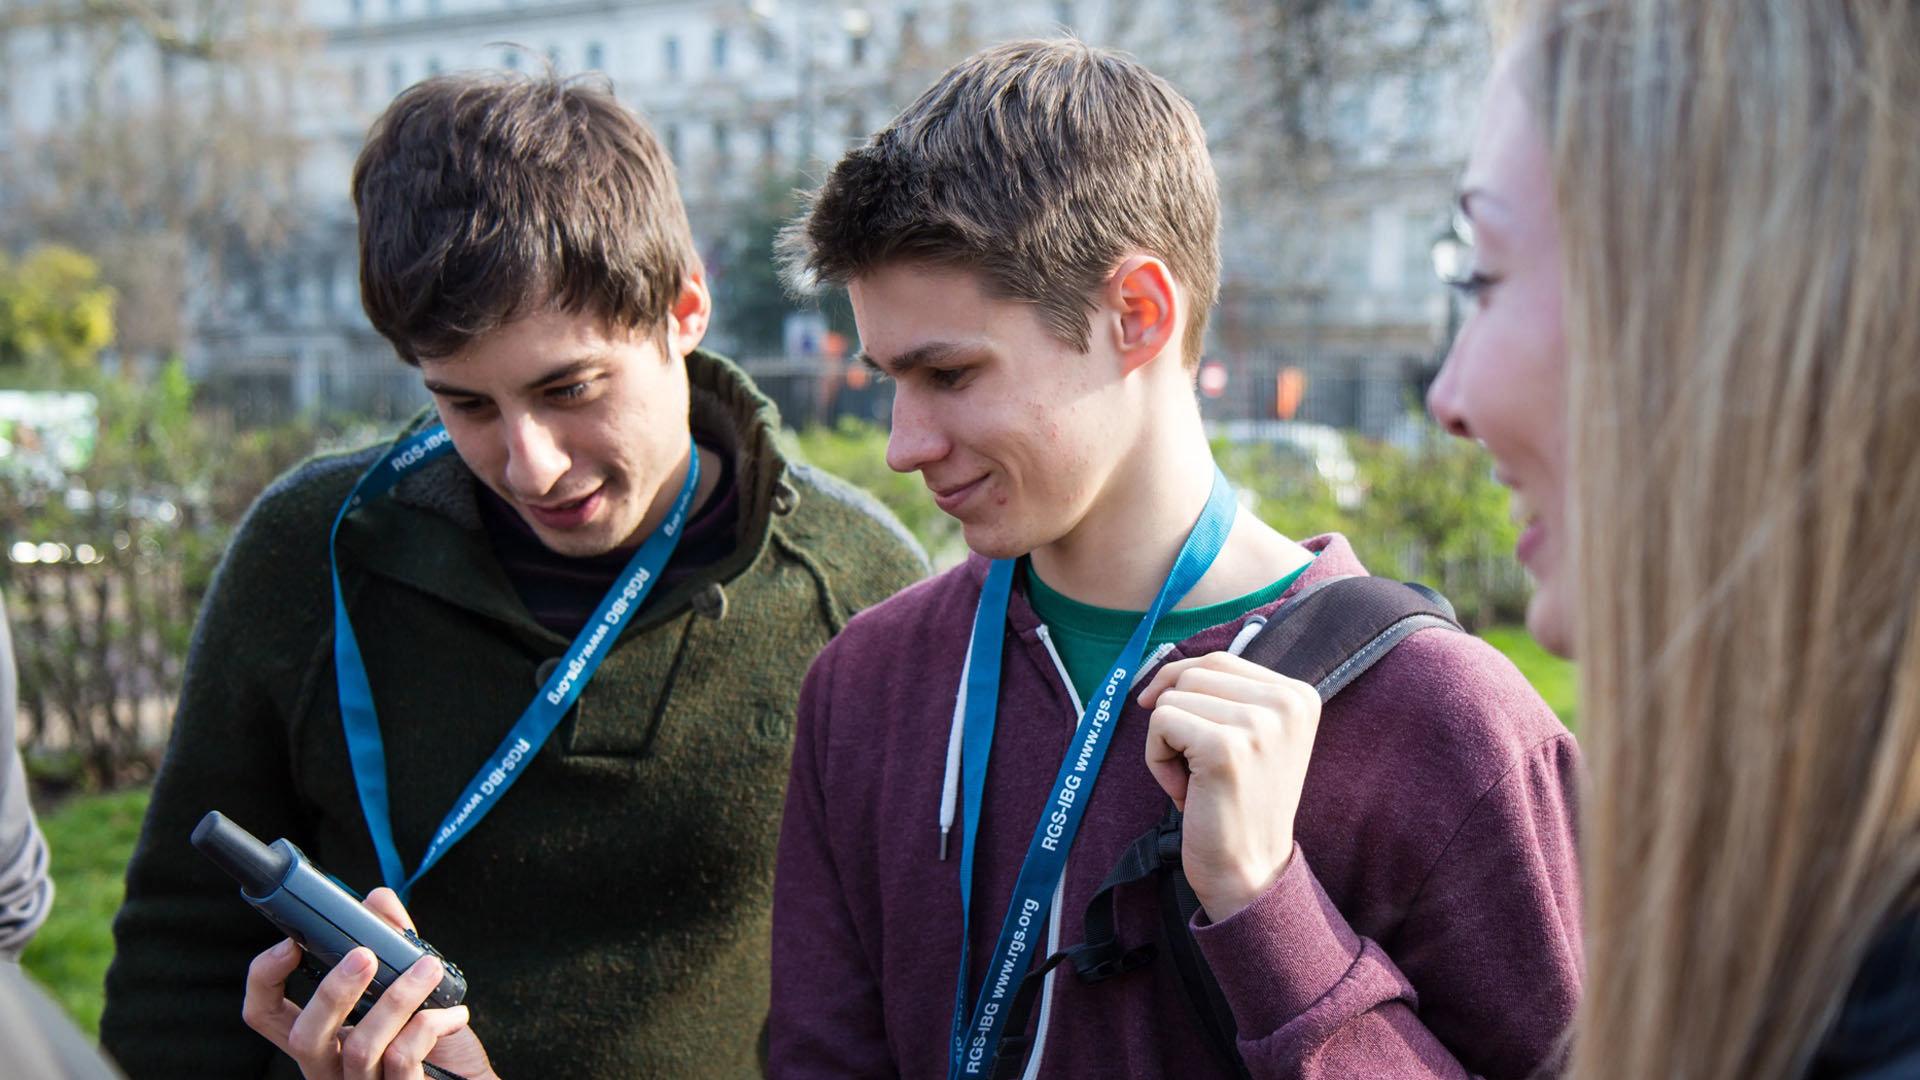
611, 912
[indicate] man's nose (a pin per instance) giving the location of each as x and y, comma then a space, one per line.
536, 460
915, 440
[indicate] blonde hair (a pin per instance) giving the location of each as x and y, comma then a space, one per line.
1736, 184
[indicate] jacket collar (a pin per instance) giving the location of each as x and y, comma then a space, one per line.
1333, 557
428, 535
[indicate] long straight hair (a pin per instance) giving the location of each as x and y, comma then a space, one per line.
1738, 184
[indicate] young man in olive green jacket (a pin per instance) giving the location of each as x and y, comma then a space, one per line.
606, 888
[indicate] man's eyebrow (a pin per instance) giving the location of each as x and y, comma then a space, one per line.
570, 369
934, 352
567, 370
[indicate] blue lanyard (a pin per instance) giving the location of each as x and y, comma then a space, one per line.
368, 753
974, 1044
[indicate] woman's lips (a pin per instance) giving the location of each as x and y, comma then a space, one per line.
1529, 543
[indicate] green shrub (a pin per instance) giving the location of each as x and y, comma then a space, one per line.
1436, 515
856, 451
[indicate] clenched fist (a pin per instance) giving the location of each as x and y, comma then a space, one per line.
1229, 741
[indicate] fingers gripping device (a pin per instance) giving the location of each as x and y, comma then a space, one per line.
322, 916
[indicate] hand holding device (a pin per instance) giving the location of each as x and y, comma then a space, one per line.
382, 974
323, 917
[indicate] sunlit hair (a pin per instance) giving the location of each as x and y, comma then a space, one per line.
1738, 184
483, 198
1038, 165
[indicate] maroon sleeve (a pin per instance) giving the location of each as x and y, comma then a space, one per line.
825, 1018
1484, 972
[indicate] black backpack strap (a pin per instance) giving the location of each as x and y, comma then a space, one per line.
1100, 955
1209, 1005
1334, 630
1328, 635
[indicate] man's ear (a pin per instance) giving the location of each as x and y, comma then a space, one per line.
691, 312
1142, 294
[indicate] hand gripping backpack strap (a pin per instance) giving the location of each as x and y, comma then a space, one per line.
1328, 635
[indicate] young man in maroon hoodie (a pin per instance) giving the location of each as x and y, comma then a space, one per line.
1387, 889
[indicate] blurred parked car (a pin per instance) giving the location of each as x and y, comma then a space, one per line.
1318, 446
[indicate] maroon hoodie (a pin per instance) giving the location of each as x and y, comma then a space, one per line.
1427, 926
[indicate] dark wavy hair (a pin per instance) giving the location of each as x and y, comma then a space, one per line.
484, 198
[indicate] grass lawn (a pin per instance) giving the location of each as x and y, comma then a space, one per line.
1549, 674
91, 838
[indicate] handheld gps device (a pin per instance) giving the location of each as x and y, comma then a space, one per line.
325, 918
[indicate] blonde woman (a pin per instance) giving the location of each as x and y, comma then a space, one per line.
1694, 353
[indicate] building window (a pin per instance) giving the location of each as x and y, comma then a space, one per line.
857, 126
359, 84
433, 65
553, 58
673, 56
393, 8
396, 78
510, 60
1063, 14
596, 56
673, 141
856, 49
722, 148
359, 9
719, 50
433, 7
769, 141
769, 46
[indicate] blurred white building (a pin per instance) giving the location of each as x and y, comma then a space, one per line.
1329, 266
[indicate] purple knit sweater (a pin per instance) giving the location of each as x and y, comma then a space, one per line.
1427, 925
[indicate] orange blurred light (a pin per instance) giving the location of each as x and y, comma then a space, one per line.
1289, 388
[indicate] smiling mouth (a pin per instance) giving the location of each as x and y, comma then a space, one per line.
558, 507
950, 498
565, 514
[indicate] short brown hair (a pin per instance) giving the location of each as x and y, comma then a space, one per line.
484, 197
1038, 165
